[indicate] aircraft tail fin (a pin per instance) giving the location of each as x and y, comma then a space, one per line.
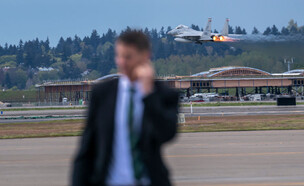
208, 26
225, 28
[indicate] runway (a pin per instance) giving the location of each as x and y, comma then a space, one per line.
242, 110
197, 111
38, 120
65, 112
215, 158
52, 114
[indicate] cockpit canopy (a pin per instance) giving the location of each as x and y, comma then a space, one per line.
181, 26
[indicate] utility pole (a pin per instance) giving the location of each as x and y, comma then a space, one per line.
288, 63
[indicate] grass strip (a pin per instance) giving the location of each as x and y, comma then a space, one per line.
74, 127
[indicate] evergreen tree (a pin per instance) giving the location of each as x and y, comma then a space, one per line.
230, 30
238, 30
59, 49
30, 54
285, 31
94, 39
19, 57
274, 30
244, 31
195, 27
147, 32
267, 31
255, 31
76, 45
162, 33
46, 45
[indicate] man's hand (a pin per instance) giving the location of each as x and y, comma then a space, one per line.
145, 75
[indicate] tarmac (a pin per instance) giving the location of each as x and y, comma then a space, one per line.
243, 110
44, 115
256, 158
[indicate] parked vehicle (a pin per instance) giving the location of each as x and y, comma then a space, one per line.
256, 97
5, 104
202, 97
64, 101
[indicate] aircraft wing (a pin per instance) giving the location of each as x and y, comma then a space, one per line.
190, 36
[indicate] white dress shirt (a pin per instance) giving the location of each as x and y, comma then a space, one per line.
121, 168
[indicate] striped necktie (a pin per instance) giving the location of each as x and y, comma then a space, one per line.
138, 165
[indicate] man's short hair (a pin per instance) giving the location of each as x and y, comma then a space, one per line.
135, 38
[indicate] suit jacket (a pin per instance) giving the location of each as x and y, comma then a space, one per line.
159, 125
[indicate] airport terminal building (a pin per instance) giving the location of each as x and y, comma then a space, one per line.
229, 81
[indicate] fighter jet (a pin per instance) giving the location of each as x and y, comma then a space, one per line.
185, 34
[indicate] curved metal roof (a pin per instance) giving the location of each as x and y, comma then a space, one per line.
216, 71
294, 71
201, 73
106, 77
234, 68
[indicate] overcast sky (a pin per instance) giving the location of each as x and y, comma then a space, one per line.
28, 19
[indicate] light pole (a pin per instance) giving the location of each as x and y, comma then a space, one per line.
288, 63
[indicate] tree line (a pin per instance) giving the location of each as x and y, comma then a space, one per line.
93, 56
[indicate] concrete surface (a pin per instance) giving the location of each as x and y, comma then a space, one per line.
57, 112
243, 110
216, 158
202, 111
6, 121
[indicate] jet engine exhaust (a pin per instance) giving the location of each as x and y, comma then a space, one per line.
223, 39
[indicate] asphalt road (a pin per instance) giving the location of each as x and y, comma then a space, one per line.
217, 158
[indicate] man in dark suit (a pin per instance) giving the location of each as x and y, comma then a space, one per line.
129, 119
